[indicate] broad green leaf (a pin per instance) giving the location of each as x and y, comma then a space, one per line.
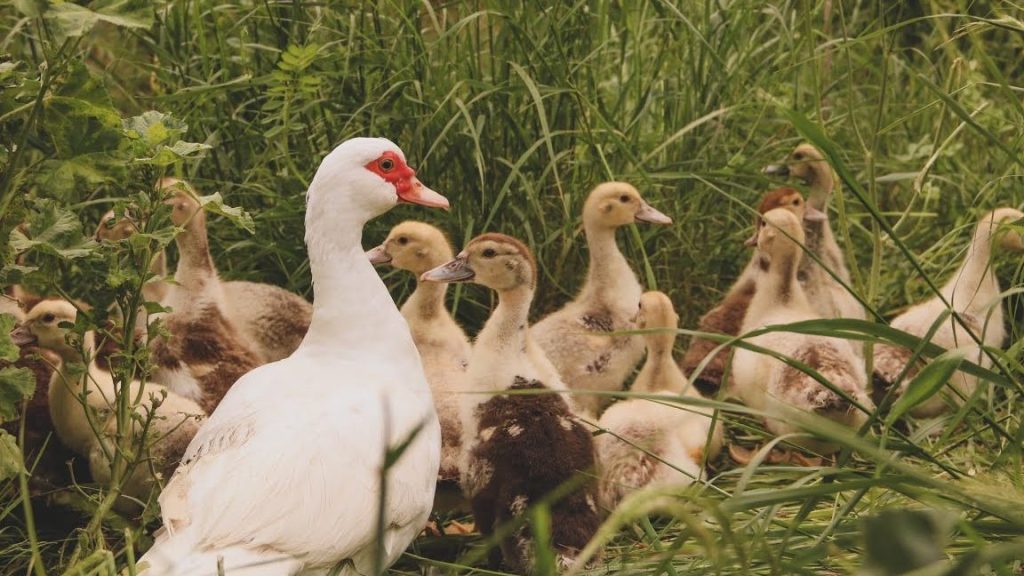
215, 203
153, 128
167, 155
54, 230
74, 20
16, 385
927, 383
8, 350
11, 461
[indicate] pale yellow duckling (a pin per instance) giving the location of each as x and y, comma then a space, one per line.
973, 292
772, 386
82, 405
727, 317
828, 297
442, 344
576, 338
651, 443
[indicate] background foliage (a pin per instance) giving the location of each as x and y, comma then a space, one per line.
514, 111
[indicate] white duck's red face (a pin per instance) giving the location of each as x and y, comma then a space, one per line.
392, 168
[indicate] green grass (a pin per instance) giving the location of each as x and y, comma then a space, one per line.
514, 112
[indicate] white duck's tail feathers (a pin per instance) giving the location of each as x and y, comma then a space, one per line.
177, 557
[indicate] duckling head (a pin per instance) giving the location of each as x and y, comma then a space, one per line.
113, 228
185, 208
497, 261
789, 199
614, 204
413, 246
657, 313
43, 328
780, 237
1005, 238
805, 162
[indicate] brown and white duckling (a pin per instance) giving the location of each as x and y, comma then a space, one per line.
205, 353
829, 297
576, 338
727, 316
272, 319
82, 404
418, 247
653, 443
973, 292
772, 386
518, 447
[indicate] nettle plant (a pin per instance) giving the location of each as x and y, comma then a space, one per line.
66, 155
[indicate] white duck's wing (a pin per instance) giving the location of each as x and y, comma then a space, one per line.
300, 475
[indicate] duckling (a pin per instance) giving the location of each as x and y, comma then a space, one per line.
204, 353
82, 406
518, 447
653, 443
442, 344
575, 338
727, 317
272, 319
973, 293
113, 229
770, 385
830, 298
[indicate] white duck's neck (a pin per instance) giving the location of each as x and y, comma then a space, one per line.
660, 372
974, 287
353, 313
609, 277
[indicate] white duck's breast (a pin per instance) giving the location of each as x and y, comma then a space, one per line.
310, 460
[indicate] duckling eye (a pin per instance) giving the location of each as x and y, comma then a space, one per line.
48, 318
489, 253
624, 199
403, 240
796, 202
798, 156
386, 164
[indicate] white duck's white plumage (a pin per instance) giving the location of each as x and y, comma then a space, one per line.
973, 293
285, 476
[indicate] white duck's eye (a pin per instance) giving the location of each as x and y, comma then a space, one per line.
403, 240
489, 253
624, 199
798, 156
48, 318
387, 164
796, 201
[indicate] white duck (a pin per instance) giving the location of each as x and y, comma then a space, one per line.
82, 403
770, 385
443, 346
973, 293
653, 443
283, 484
576, 338
829, 297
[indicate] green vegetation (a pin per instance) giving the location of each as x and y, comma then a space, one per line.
514, 112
